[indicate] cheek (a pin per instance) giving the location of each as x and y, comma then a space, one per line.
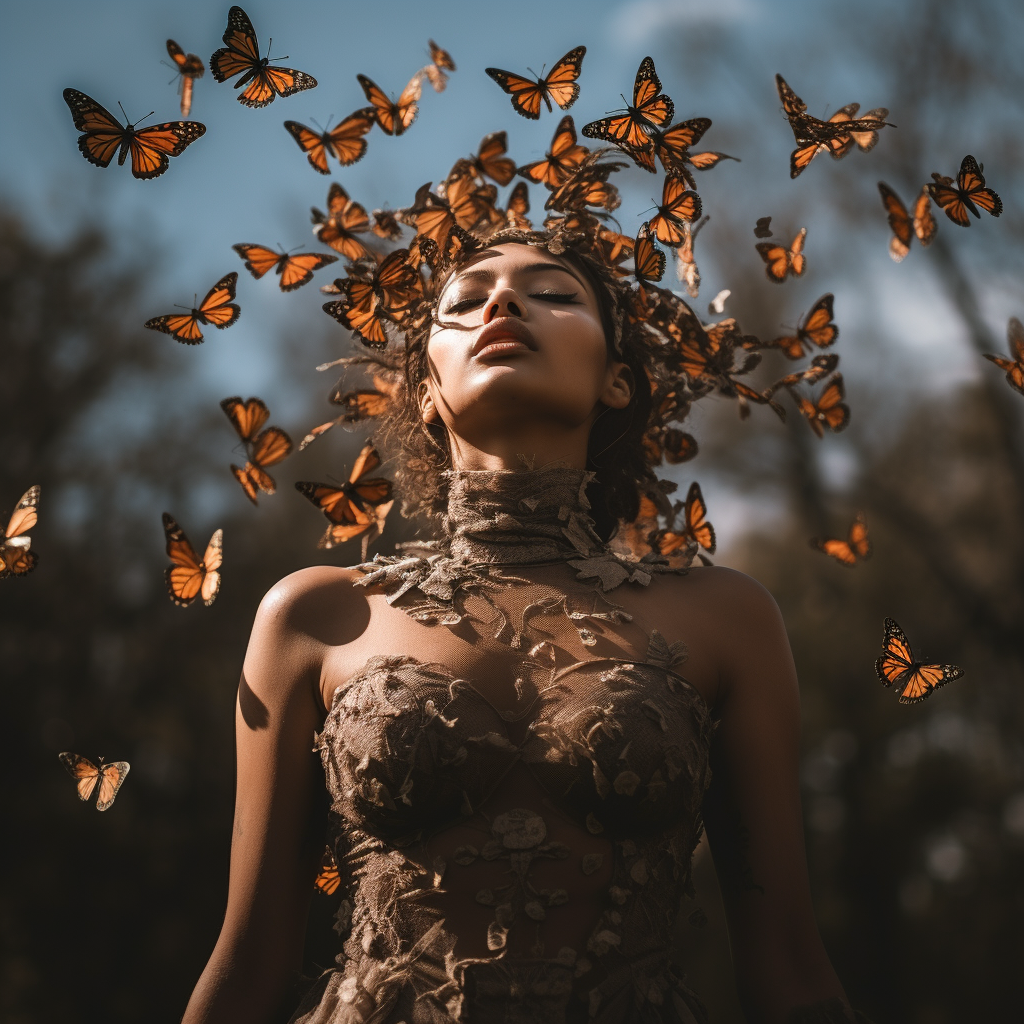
578, 338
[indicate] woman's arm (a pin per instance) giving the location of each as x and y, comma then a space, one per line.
278, 832
752, 810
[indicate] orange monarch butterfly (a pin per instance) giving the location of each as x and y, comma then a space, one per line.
671, 146
686, 266
816, 329
840, 145
650, 109
385, 225
671, 444
216, 309
87, 775
188, 578
518, 207
648, 261
328, 877
393, 117
150, 147
342, 222
339, 533
352, 504
357, 406
903, 227
829, 410
807, 129
262, 449
561, 159
490, 160
240, 55
696, 531
464, 205
1014, 367
294, 271
679, 206
344, 142
440, 58
588, 185
967, 195
763, 227
821, 367
189, 68
780, 262
913, 680
847, 552
15, 557
560, 85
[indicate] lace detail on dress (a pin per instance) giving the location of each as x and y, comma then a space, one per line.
523, 864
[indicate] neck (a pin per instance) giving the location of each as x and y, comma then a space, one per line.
512, 450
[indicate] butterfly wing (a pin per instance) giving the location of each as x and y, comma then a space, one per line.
270, 448
648, 259
83, 771
333, 502
184, 327
152, 147
217, 308
492, 161
212, 559
112, 776
312, 143
241, 51
328, 877
25, 514
185, 576
776, 260
385, 225
346, 140
830, 407
840, 550
897, 659
858, 537
971, 183
441, 58
104, 134
678, 205
246, 417
270, 80
951, 200
246, 477
924, 222
298, 270
697, 525
258, 258
385, 112
791, 103
526, 94
899, 222
866, 141
817, 327
560, 83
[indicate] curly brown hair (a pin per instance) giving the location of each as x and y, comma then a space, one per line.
615, 449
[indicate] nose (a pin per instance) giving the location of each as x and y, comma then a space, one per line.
504, 302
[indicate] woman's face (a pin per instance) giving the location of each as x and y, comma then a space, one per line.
521, 351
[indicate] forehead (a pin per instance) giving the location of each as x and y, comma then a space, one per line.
511, 259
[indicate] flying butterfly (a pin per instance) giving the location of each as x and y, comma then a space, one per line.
263, 448
559, 85
189, 578
15, 557
686, 265
357, 405
829, 411
849, 552
240, 55
588, 185
838, 146
88, 776
294, 271
339, 533
808, 129
650, 109
490, 160
696, 532
967, 195
342, 222
913, 680
905, 228
440, 58
679, 206
820, 367
150, 148
1014, 367
351, 506
392, 116
648, 263
344, 142
328, 877
669, 444
518, 207
672, 147
816, 328
385, 225
216, 309
780, 262
561, 159
189, 68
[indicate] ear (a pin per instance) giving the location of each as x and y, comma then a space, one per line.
428, 410
618, 387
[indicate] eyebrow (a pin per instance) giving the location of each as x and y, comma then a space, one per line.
531, 268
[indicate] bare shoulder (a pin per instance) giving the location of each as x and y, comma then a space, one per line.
725, 590
306, 594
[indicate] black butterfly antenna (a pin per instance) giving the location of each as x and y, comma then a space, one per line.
269, 45
323, 130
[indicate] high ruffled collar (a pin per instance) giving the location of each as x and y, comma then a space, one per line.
509, 517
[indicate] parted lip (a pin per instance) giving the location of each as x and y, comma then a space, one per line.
503, 328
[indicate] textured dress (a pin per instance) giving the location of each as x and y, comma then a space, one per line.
516, 844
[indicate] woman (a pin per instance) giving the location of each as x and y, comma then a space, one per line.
523, 733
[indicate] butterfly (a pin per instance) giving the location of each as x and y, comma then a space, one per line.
696, 531
686, 267
1014, 367
847, 552
518, 207
559, 85
967, 195
815, 329
650, 109
150, 147
216, 309
240, 55
904, 228
328, 877
189, 68
588, 185
763, 227
838, 146
808, 129
339, 533
188, 578
464, 204
672, 147
819, 369
440, 58
671, 444
351, 505
913, 680
829, 410
344, 142
262, 449
15, 557
294, 271
679, 206
561, 159
385, 225
780, 262
648, 261
342, 222
88, 775
393, 117
357, 406
491, 161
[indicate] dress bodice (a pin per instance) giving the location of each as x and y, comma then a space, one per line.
515, 851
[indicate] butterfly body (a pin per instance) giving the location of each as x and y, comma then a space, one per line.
559, 85
216, 309
16, 558
966, 195
188, 577
855, 548
88, 776
912, 680
261, 82
150, 148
